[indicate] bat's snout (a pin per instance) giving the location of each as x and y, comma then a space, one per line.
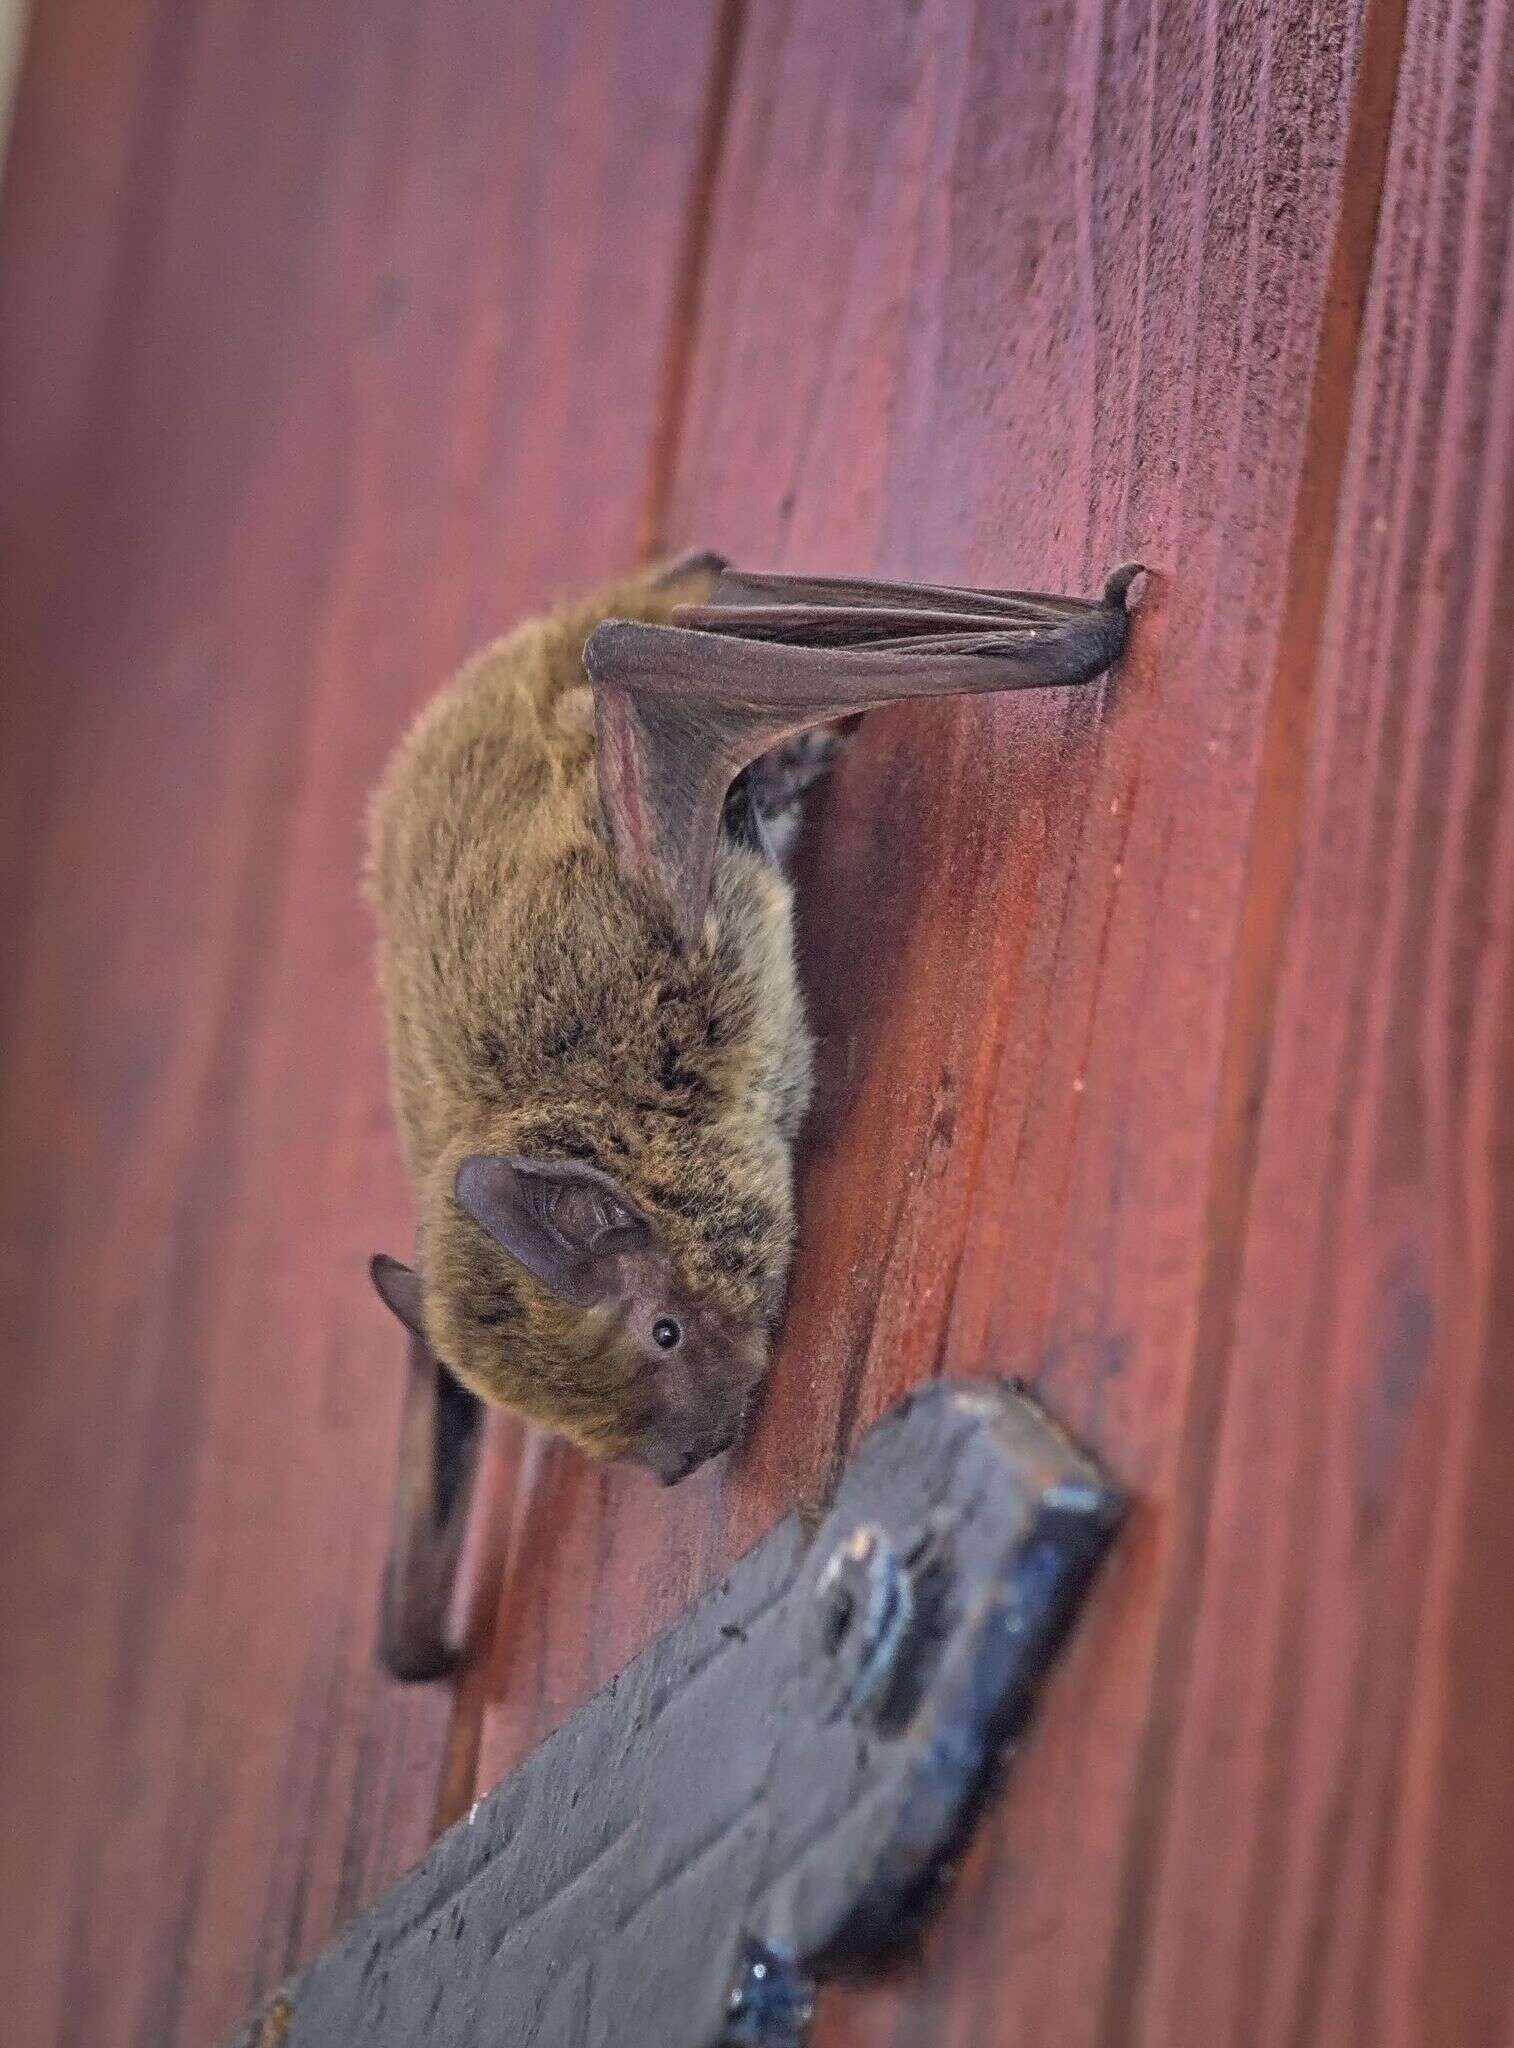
686, 1434
703, 1393
673, 1455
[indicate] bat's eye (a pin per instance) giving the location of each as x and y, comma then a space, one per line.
666, 1333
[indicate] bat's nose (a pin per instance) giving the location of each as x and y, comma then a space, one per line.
676, 1449
697, 1415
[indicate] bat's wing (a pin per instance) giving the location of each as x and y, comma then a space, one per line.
440, 1432
682, 708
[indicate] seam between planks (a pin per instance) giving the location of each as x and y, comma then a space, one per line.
1271, 862
688, 281
457, 1782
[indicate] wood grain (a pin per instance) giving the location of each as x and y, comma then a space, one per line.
1237, 1159
1166, 1026
1335, 1854
1069, 291
306, 313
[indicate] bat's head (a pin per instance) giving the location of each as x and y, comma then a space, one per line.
549, 1287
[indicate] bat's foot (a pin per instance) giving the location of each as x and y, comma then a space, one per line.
765, 807
782, 778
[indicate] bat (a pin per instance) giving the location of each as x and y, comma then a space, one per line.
598, 1049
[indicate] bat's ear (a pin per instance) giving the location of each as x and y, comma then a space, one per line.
565, 1222
399, 1288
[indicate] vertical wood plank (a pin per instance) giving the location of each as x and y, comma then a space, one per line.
332, 341
1335, 1860
1002, 300
1077, 317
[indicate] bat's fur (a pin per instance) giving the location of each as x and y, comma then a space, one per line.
539, 1004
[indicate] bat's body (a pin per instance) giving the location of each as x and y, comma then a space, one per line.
543, 1006
599, 1055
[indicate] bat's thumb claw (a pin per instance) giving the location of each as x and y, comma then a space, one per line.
691, 563
1126, 586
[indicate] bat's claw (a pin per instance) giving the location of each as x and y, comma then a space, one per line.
702, 565
1126, 586
783, 776
764, 807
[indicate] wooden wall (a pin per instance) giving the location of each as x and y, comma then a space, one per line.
1167, 1027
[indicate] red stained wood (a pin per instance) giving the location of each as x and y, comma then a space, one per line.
1032, 341
1166, 1026
1336, 1850
1056, 294
332, 340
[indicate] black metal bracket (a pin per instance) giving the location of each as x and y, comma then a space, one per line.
769, 1793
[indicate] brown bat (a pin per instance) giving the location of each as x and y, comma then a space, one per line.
599, 1055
